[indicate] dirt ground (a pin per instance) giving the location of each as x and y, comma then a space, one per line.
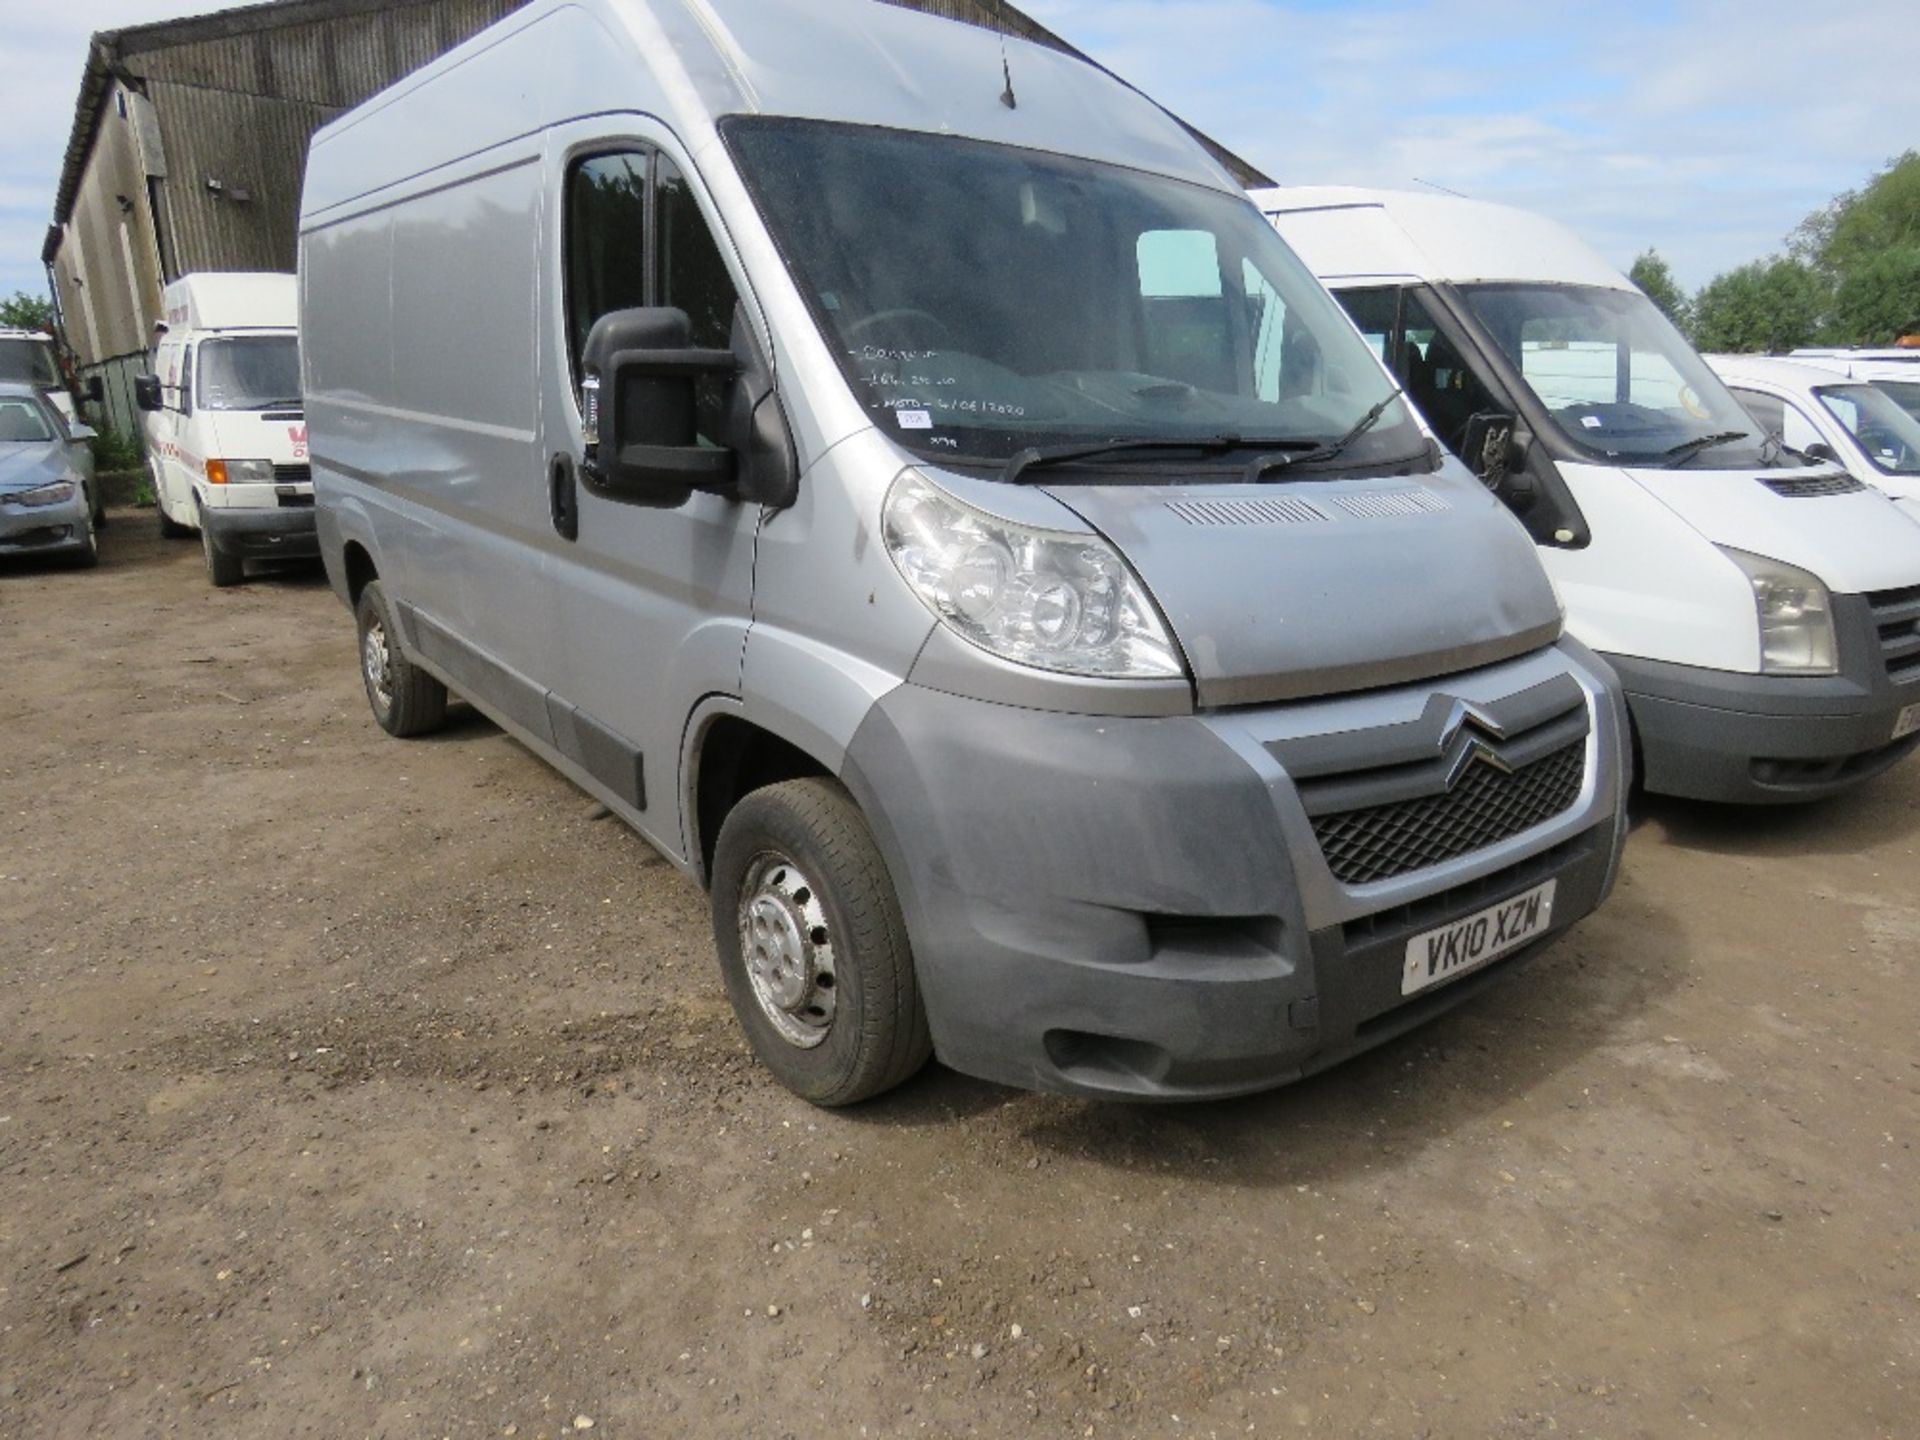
351, 1087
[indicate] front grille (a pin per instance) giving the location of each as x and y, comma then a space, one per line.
1486, 806
1812, 486
1896, 620
292, 474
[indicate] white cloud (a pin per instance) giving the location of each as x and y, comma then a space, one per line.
1707, 128
44, 55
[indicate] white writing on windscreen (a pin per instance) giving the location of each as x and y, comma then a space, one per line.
879, 374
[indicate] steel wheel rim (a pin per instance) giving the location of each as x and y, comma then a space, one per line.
376, 664
786, 946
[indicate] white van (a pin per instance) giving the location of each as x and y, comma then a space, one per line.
27, 357
1763, 613
1895, 371
920, 495
1827, 416
226, 435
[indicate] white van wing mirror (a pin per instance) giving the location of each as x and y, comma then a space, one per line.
643, 447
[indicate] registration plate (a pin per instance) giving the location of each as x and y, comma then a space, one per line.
1908, 722
1435, 957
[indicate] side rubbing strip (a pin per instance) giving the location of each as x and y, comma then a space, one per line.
604, 755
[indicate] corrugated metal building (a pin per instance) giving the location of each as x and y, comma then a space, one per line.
190, 137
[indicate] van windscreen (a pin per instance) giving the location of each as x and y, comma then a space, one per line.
248, 372
981, 299
1615, 377
29, 361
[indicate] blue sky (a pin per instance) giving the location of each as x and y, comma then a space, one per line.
1707, 128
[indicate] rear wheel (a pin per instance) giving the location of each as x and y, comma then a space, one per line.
813, 947
405, 699
222, 569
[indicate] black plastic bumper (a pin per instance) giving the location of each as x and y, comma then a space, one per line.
1767, 739
1109, 908
286, 531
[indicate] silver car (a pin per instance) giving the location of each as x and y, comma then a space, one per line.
48, 499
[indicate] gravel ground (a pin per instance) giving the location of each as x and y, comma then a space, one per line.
355, 1087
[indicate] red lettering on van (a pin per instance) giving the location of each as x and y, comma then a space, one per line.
298, 435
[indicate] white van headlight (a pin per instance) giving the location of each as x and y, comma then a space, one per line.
1796, 616
1052, 599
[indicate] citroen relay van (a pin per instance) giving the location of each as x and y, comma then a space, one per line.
1852, 423
923, 498
1762, 610
226, 435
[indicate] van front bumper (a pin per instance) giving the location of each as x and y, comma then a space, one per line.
1776, 739
1140, 909
282, 532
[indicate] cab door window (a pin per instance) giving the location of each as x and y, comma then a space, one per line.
606, 240
635, 237
690, 275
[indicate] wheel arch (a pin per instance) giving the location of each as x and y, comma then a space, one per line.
728, 756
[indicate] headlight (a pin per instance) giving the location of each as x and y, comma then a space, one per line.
54, 494
1796, 617
1051, 599
240, 472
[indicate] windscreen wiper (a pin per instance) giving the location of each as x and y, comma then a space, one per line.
1314, 452
1687, 449
1036, 457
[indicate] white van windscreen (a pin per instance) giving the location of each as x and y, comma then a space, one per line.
248, 372
1904, 393
982, 299
1614, 375
28, 361
1888, 435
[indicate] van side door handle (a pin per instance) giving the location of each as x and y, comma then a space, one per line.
563, 497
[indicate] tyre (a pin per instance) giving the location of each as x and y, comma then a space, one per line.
222, 569
170, 529
88, 557
813, 947
405, 699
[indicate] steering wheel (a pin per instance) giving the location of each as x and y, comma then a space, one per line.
907, 313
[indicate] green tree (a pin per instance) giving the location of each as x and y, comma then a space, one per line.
26, 312
1878, 299
1653, 276
1865, 244
1767, 306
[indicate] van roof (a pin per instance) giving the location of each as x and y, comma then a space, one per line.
693, 62
1346, 235
1788, 374
231, 300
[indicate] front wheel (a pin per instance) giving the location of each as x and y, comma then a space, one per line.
406, 700
222, 569
813, 947
170, 528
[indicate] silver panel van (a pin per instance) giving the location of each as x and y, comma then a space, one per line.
900, 475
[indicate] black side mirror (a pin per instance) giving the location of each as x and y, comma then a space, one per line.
637, 409
1820, 450
146, 391
95, 391
1487, 447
